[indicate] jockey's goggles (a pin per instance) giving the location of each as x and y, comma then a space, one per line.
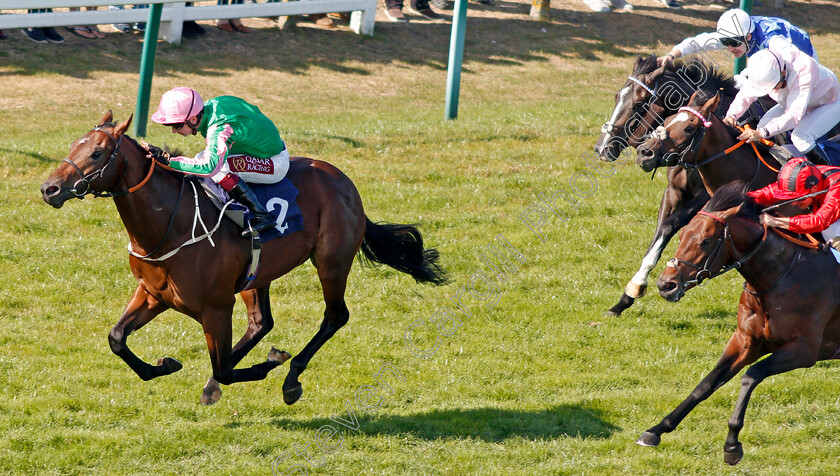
732, 42
177, 125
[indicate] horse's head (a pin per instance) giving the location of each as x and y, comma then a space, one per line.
676, 141
91, 166
635, 112
712, 241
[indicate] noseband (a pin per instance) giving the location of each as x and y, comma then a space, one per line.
608, 126
661, 133
703, 271
82, 186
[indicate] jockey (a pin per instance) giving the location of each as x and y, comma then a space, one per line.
807, 96
231, 126
743, 34
798, 178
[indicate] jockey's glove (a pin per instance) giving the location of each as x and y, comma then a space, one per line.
160, 155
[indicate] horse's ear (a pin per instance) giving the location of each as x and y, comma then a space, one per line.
123, 126
651, 77
697, 99
106, 118
711, 104
636, 63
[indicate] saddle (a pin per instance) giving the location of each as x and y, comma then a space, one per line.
279, 199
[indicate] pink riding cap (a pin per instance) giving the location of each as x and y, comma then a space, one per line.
177, 105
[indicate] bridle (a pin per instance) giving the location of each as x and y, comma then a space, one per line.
688, 146
82, 187
704, 271
609, 127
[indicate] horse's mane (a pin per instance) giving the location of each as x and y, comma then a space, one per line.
174, 152
731, 195
691, 72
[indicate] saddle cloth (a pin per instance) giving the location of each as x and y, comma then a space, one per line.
279, 199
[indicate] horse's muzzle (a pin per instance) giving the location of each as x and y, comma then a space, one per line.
54, 193
670, 285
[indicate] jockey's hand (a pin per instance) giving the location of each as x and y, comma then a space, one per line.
665, 59
750, 135
730, 121
158, 154
771, 221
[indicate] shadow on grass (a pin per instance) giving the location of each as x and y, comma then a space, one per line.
490, 40
487, 424
28, 153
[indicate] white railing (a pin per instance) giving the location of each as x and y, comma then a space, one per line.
175, 12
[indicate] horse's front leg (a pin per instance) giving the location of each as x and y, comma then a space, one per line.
796, 354
260, 323
217, 331
738, 353
676, 209
141, 309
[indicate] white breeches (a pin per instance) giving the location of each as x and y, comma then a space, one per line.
813, 126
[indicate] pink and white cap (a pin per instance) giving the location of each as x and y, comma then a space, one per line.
178, 105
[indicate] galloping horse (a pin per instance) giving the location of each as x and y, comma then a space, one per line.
789, 308
650, 94
694, 138
202, 280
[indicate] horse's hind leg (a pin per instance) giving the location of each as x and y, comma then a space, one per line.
796, 354
333, 282
260, 323
141, 309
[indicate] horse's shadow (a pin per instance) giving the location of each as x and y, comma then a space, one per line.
492, 425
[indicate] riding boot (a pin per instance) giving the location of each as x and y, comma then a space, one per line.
818, 156
261, 219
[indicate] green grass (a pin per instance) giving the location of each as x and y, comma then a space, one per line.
533, 380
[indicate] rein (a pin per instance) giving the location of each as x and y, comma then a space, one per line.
86, 180
704, 273
697, 138
208, 234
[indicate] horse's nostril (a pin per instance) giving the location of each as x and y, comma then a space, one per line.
51, 190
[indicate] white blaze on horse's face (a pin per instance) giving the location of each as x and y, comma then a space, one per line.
620, 105
681, 117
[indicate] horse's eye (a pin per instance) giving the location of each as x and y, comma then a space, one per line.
706, 242
96, 155
689, 130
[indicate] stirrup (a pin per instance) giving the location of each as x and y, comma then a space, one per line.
265, 225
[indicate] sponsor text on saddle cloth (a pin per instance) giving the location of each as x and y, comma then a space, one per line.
278, 198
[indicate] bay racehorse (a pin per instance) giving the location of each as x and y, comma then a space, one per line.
201, 280
695, 138
650, 94
789, 308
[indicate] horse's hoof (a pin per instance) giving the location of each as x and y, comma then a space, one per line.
281, 356
635, 290
169, 364
292, 395
648, 438
611, 313
211, 392
733, 455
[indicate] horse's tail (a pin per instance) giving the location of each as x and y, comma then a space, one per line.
401, 247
